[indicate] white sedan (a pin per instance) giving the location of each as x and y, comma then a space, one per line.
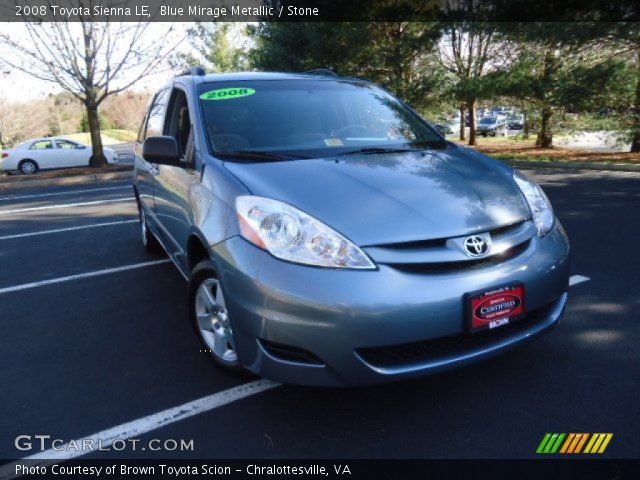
45, 153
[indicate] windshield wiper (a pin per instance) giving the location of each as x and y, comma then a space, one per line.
376, 150
257, 154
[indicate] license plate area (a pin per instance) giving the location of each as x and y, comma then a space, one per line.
494, 308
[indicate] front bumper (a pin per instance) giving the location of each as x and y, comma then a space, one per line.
342, 316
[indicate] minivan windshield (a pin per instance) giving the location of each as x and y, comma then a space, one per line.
488, 120
286, 119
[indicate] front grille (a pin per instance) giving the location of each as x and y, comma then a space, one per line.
442, 267
438, 348
441, 242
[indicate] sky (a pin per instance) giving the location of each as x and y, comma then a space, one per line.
17, 85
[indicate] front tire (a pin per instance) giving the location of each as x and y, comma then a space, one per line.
28, 167
210, 319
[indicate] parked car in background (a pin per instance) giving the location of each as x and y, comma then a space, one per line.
516, 122
492, 126
48, 153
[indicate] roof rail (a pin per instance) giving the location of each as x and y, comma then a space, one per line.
322, 71
198, 71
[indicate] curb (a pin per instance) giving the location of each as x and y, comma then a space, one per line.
612, 167
71, 180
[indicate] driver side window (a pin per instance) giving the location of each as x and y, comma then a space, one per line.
179, 124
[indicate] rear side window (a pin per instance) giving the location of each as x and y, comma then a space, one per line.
41, 145
155, 119
66, 144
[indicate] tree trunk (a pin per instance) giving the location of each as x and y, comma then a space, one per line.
545, 136
635, 119
526, 124
97, 158
471, 107
463, 135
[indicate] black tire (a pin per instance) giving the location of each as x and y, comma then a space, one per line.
205, 272
28, 167
149, 241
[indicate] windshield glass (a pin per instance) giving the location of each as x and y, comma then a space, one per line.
308, 118
488, 120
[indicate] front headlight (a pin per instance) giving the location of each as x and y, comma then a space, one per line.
541, 211
290, 234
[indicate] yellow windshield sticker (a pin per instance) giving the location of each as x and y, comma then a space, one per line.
227, 93
333, 142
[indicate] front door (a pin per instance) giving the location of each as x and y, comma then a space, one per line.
175, 185
146, 172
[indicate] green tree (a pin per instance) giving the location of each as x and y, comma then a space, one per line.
217, 47
622, 45
397, 55
468, 52
557, 68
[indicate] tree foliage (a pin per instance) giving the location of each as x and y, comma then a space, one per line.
217, 47
398, 55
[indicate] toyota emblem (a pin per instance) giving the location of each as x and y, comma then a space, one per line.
476, 246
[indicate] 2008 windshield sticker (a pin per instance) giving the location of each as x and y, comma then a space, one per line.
227, 93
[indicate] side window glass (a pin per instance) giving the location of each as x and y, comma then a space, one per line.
41, 145
155, 120
66, 144
180, 126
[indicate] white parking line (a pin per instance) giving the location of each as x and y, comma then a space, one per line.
65, 205
576, 279
69, 229
149, 423
67, 192
97, 273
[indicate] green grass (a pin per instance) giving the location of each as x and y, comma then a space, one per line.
109, 137
122, 135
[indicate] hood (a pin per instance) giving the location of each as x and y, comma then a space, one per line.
390, 198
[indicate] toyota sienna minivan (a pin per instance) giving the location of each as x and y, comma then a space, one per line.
330, 236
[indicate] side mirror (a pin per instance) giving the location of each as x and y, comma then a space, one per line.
162, 150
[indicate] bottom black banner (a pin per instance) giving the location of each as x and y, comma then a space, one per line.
347, 469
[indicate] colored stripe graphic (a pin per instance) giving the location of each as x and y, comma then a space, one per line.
574, 443
598, 442
550, 443
565, 447
583, 439
544, 441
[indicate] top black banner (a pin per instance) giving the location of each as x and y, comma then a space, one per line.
318, 10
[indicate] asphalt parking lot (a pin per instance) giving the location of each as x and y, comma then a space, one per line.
95, 336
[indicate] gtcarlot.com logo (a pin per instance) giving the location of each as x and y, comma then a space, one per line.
574, 443
48, 443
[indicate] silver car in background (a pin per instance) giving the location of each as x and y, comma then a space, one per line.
330, 236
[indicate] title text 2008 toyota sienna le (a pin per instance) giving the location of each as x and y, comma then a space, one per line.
330, 236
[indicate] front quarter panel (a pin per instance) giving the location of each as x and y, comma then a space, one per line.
213, 202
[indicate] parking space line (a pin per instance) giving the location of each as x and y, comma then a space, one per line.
96, 273
69, 229
158, 420
65, 205
576, 279
68, 192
